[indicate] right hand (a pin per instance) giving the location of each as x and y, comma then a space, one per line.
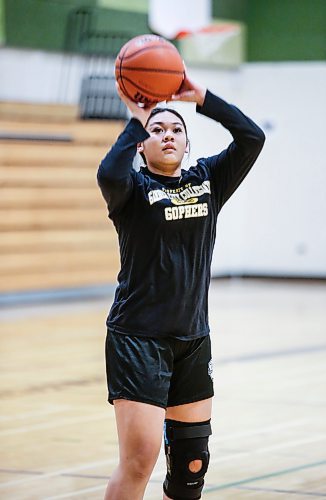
190, 92
141, 113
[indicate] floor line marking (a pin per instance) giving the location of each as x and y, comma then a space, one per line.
20, 471
207, 489
262, 430
264, 476
280, 446
40, 413
257, 356
76, 493
57, 423
65, 474
303, 380
85, 466
278, 490
160, 472
86, 476
243, 454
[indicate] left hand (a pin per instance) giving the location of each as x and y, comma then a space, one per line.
190, 92
142, 113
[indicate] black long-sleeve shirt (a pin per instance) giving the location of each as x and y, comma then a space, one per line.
166, 227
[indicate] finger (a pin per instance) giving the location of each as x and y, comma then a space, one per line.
120, 91
149, 107
184, 96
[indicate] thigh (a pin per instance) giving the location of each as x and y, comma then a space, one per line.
140, 428
200, 411
192, 378
138, 368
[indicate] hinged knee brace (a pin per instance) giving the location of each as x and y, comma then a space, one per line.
185, 442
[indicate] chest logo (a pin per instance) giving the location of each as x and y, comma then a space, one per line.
182, 196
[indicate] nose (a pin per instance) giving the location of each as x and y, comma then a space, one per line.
168, 136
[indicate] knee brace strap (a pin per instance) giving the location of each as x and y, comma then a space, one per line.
185, 442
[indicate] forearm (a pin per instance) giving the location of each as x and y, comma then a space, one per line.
242, 128
118, 162
114, 174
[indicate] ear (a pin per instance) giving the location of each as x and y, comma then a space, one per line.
187, 147
140, 147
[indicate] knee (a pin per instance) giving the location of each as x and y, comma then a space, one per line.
187, 455
195, 466
140, 467
140, 463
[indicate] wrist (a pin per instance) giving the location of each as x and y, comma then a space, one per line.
142, 114
201, 96
140, 119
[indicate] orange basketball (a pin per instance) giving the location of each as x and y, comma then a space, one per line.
149, 69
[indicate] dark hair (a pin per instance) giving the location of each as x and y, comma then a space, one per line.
156, 111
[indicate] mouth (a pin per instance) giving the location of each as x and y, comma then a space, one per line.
168, 147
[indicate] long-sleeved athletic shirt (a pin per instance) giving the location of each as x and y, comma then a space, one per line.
167, 225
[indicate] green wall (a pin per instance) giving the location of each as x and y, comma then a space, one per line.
287, 30
38, 23
231, 9
279, 30
121, 21
131, 5
2, 23
42, 24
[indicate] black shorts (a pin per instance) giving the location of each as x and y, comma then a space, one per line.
159, 371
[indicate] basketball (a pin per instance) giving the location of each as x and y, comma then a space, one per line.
149, 69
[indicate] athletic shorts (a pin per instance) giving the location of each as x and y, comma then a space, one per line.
159, 371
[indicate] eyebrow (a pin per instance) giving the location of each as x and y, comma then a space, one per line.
162, 123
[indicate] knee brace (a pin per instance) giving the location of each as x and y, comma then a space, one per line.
185, 442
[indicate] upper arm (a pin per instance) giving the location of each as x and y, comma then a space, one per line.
115, 175
230, 167
116, 192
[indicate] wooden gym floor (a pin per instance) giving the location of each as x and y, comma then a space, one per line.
58, 438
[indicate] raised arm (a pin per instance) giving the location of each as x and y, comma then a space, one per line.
231, 166
114, 173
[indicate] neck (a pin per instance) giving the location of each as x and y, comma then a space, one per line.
168, 171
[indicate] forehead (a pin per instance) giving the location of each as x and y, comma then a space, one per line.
165, 117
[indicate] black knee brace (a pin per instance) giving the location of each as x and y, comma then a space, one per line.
185, 442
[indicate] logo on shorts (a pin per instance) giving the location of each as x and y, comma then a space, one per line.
210, 368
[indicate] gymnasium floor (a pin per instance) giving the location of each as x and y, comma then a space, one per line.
58, 437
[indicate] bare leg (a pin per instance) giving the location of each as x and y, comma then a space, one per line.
192, 412
140, 428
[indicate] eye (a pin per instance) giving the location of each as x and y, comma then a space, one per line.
178, 130
156, 130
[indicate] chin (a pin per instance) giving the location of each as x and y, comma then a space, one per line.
172, 161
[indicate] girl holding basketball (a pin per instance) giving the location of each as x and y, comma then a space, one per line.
158, 349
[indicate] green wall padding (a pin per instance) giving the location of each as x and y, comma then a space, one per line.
279, 30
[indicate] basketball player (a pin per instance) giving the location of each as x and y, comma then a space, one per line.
158, 351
